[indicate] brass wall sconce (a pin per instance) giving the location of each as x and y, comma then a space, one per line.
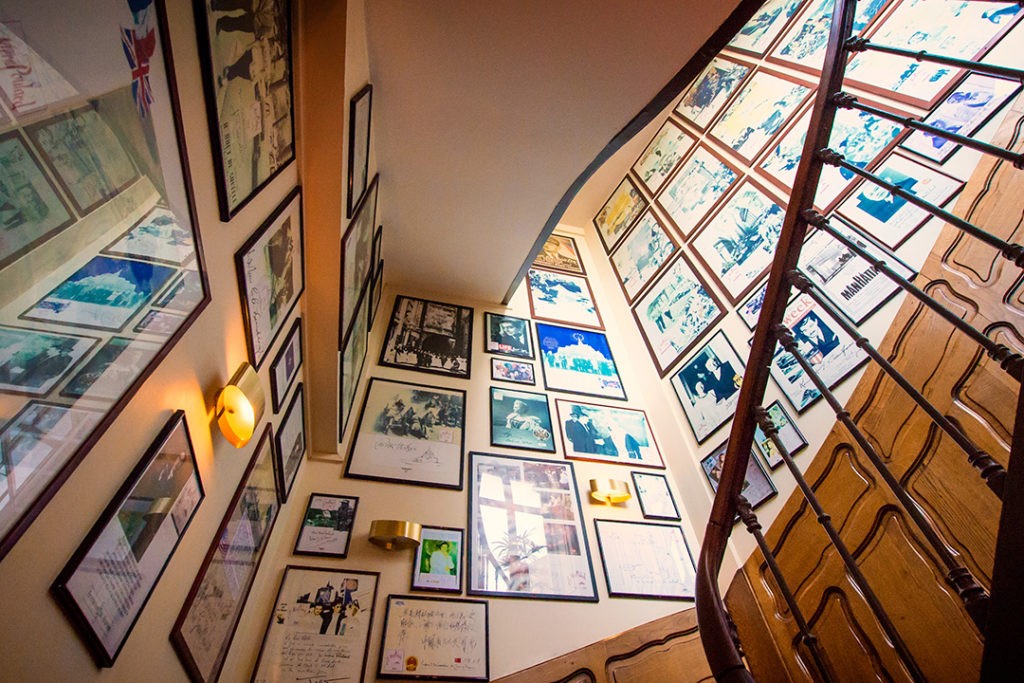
609, 491
395, 534
240, 406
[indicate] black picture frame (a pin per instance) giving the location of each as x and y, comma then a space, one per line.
429, 336
451, 630
521, 419
508, 335
273, 98
756, 479
284, 369
648, 493
788, 431
637, 556
326, 528
291, 428
432, 541
360, 109
514, 371
356, 259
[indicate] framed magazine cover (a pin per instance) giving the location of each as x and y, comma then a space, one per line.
508, 335
429, 336
245, 52
645, 560
359, 110
707, 385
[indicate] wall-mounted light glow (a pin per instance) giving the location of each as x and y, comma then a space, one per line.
609, 491
240, 406
395, 534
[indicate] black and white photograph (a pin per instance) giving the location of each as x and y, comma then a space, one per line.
429, 336
708, 386
291, 444
607, 434
508, 335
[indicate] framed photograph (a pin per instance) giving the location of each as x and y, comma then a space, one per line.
619, 212
104, 294
320, 627
750, 310
435, 639
33, 362
708, 386
111, 370
437, 562
271, 277
107, 583
891, 219
284, 369
560, 253
758, 34
675, 313
184, 292
512, 371
291, 444
359, 108
245, 51
521, 419
695, 189
159, 323
526, 535
760, 108
33, 211
409, 434
645, 560
804, 44
327, 525
968, 32
378, 290
356, 255
607, 434
206, 624
377, 253
779, 164
850, 282
738, 244
655, 496
353, 357
429, 336
791, 437
964, 110
757, 486
159, 237
642, 255
709, 91
831, 352
562, 298
578, 362
508, 335
668, 147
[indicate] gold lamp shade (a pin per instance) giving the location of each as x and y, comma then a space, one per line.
240, 406
609, 491
395, 534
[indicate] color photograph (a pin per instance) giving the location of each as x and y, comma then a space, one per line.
757, 486
560, 253
618, 213
708, 386
578, 362
512, 371
562, 298
521, 419
791, 437
157, 237
437, 562
327, 525
607, 434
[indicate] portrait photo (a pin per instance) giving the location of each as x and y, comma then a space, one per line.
437, 562
757, 485
708, 386
508, 335
560, 253
521, 419
607, 434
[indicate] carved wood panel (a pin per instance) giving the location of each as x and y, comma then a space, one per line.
982, 288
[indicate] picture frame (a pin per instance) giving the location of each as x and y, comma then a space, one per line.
594, 375
246, 160
890, 219
284, 369
758, 34
34, 362
326, 529
850, 282
707, 385
359, 110
706, 96
356, 253
790, 434
203, 631
299, 643
409, 434
643, 254
539, 552
655, 496
803, 48
429, 336
514, 371
967, 107
508, 335
157, 237
521, 419
377, 253
623, 207
758, 487
290, 442
738, 242
607, 434
645, 560
560, 253
824, 344
182, 294
271, 275
431, 638
676, 312
353, 358
696, 188
378, 290
109, 372
105, 586
437, 562
750, 310
562, 298
661, 156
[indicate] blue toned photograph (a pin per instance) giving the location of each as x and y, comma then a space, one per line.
521, 419
708, 386
659, 159
33, 362
562, 298
698, 186
157, 237
578, 362
750, 310
642, 254
805, 42
709, 91
112, 369
760, 109
765, 26
103, 294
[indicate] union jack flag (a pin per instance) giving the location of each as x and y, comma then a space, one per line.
138, 50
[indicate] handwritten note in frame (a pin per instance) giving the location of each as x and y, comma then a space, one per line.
434, 638
320, 627
645, 560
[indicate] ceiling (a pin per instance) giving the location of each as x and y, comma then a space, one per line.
487, 112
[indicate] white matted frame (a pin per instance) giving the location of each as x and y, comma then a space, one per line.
435, 639
645, 560
655, 496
